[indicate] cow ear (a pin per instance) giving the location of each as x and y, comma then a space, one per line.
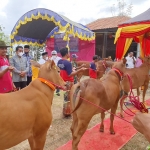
124, 61
49, 62
52, 63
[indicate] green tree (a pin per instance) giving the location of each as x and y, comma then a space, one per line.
5, 38
121, 8
36, 52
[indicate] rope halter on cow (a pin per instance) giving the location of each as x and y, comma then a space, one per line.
119, 73
48, 83
135, 100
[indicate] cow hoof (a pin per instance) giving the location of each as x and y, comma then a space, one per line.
101, 130
112, 132
121, 116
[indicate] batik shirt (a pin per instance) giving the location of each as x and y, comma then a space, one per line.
28, 57
20, 64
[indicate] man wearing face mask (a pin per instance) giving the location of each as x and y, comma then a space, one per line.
29, 58
55, 58
21, 68
44, 58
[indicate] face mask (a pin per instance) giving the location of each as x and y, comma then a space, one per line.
46, 58
54, 57
20, 54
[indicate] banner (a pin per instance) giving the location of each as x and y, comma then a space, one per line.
73, 44
84, 49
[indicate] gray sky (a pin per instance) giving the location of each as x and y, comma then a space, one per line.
82, 11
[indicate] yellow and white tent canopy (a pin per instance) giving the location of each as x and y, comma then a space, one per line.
34, 27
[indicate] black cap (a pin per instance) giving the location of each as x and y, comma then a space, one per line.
95, 57
26, 46
45, 53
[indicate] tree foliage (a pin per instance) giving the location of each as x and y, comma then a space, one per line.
121, 8
6, 39
3, 36
36, 52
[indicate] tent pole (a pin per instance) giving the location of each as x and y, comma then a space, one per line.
104, 45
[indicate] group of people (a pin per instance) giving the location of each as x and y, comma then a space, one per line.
20, 68
15, 73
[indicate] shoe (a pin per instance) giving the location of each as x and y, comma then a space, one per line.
57, 94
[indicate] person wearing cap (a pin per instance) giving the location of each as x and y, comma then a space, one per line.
6, 83
67, 75
55, 58
29, 58
75, 66
92, 70
21, 68
44, 58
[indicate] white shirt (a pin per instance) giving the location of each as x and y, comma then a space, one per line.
55, 59
130, 62
41, 61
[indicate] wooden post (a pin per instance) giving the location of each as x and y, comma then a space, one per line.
104, 45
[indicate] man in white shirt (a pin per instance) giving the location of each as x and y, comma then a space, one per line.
130, 60
55, 58
44, 58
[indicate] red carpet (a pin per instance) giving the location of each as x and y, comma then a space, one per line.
95, 140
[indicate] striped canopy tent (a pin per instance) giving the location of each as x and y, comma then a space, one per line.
34, 27
137, 29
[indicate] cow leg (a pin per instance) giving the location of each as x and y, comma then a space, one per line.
138, 92
121, 105
102, 122
31, 142
113, 111
79, 130
38, 142
144, 91
74, 123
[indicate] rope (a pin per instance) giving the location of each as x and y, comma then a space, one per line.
135, 100
101, 108
104, 109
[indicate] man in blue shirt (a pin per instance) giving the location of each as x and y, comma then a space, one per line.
67, 74
92, 69
29, 58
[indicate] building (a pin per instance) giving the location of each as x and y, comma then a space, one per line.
105, 29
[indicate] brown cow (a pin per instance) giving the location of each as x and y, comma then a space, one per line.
139, 77
105, 94
103, 66
26, 114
